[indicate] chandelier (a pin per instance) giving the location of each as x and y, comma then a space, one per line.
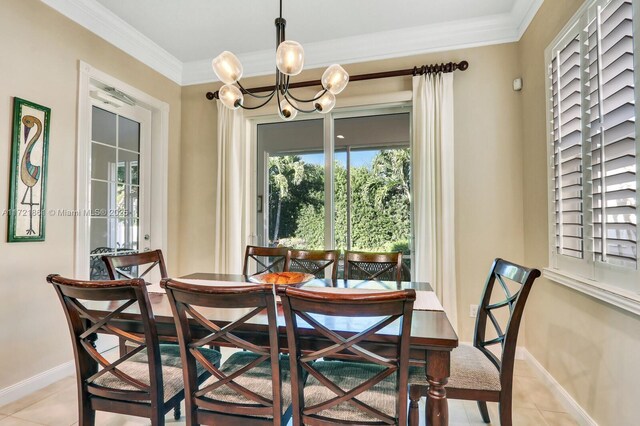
289, 62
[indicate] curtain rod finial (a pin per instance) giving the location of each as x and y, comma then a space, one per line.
462, 66
211, 96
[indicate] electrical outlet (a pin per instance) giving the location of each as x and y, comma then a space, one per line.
473, 311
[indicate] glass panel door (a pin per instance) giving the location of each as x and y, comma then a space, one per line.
116, 184
367, 177
373, 184
291, 181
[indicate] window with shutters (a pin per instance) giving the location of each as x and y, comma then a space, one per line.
593, 148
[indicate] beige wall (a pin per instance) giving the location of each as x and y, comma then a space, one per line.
39, 57
488, 156
500, 150
588, 346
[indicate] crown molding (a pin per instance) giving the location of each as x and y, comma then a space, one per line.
369, 47
495, 29
107, 25
523, 12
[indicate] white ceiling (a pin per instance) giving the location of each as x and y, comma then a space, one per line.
199, 29
179, 38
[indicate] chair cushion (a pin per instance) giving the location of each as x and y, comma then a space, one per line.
138, 368
470, 369
257, 379
347, 375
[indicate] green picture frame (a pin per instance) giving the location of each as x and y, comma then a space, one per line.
28, 183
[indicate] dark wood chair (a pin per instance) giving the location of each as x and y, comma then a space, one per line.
127, 266
373, 266
314, 262
147, 381
343, 392
267, 259
252, 386
477, 374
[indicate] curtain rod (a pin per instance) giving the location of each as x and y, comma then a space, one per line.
424, 69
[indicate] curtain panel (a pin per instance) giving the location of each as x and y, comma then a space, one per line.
433, 187
232, 206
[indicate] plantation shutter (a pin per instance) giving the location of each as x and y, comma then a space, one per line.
612, 133
565, 76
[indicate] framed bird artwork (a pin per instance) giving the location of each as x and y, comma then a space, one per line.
28, 171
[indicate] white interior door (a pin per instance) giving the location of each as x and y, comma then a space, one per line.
118, 183
118, 186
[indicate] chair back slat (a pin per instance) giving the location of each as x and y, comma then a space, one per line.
373, 266
319, 263
266, 259
129, 266
489, 330
189, 303
382, 310
84, 324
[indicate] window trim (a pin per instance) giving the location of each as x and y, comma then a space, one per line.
562, 269
610, 294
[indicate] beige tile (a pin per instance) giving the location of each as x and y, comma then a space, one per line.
527, 417
524, 369
13, 421
540, 395
558, 419
521, 393
457, 412
473, 413
56, 410
67, 383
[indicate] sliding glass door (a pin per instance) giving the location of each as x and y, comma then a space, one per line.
339, 181
291, 184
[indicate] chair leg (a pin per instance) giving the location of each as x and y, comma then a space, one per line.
192, 419
157, 419
122, 345
176, 412
414, 404
484, 412
505, 413
87, 416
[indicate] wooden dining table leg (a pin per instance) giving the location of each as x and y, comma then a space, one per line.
438, 372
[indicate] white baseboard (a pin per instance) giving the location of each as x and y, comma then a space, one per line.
570, 404
37, 382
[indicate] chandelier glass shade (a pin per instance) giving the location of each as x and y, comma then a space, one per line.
289, 62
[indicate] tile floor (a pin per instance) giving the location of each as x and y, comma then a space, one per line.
56, 405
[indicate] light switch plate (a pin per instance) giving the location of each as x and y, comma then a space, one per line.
473, 311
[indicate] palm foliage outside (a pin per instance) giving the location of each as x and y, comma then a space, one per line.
380, 203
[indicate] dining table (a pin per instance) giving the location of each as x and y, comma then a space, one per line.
432, 335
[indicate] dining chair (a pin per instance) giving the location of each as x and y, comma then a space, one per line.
372, 266
147, 381
127, 266
477, 374
343, 392
252, 386
267, 259
319, 263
